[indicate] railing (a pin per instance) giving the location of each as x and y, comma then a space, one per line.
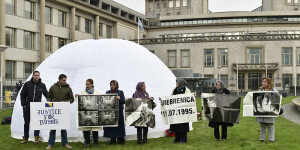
223, 38
256, 67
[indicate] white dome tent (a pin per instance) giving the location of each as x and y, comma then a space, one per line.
102, 60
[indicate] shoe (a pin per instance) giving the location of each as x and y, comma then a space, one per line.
37, 140
68, 146
216, 139
176, 141
261, 141
139, 142
96, 145
49, 147
224, 140
86, 145
144, 141
112, 142
24, 140
121, 142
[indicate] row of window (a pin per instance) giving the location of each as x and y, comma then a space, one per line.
226, 20
171, 4
293, 1
254, 57
10, 69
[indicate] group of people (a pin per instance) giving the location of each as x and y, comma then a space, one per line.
33, 90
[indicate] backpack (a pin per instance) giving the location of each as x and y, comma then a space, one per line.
6, 120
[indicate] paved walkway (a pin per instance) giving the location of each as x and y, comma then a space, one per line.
290, 112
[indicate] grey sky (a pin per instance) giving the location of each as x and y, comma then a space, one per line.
214, 5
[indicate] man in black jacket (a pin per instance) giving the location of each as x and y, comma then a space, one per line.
32, 91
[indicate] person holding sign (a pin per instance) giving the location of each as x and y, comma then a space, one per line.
180, 129
87, 131
60, 92
141, 93
32, 91
267, 85
219, 89
119, 131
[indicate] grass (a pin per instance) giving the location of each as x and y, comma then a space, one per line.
241, 136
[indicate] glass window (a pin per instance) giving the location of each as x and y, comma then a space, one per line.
10, 69
241, 81
223, 57
296, 1
28, 69
172, 57
29, 40
100, 30
9, 37
158, 5
171, 4
184, 2
209, 57
177, 3
88, 26
164, 3
287, 56
289, 1
77, 23
61, 18
48, 43
298, 56
224, 78
287, 80
109, 31
185, 58
48, 15
61, 42
254, 55
10, 6
29, 10
298, 80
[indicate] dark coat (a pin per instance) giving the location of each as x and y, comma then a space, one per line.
212, 123
58, 93
117, 132
32, 92
181, 127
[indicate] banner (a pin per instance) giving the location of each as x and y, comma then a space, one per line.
262, 104
97, 110
221, 107
49, 115
178, 109
138, 112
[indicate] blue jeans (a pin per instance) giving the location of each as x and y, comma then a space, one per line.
64, 140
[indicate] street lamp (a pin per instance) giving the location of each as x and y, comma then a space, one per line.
2, 48
219, 67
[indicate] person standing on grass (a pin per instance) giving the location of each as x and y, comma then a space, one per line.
220, 89
267, 85
32, 91
60, 92
116, 132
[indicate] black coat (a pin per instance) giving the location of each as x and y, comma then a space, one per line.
181, 127
32, 92
212, 123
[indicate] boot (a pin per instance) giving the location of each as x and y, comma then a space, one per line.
37, 140
24, 140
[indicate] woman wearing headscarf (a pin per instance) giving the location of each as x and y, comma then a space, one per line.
116, 132
219, 89
87, 131
180, 129
142, 93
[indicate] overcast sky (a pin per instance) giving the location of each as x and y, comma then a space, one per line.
214, 5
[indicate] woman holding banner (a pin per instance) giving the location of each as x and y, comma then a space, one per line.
267, 85
116, 132
180, 129
141, 93
87, 131
219, 89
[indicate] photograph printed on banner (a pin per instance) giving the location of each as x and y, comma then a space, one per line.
88, 102
210, 109
266, 104
139, 112
88, 118
108, 118
108, 102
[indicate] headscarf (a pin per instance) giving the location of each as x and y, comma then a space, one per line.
90, 91
182, 84
139, 93
222, 87
116, 85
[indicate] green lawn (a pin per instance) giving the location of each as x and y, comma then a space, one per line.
242, 136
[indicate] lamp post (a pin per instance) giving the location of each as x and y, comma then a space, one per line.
219, 67
2, 48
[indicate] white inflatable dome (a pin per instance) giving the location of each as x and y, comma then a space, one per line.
102, 60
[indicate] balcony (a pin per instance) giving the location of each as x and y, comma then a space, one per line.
255, 67
223, 38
